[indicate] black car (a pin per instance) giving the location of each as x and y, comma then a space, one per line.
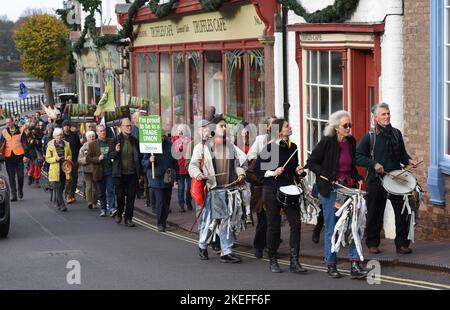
4, 207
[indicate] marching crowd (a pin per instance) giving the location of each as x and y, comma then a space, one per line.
230, 178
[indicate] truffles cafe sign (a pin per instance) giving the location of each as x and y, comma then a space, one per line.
236, 23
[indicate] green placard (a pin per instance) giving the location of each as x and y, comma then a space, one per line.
233, 123
150, 129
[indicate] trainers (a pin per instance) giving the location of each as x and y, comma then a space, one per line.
113, 213
103, 213
230, 258
258, 253
129, 223
203, 253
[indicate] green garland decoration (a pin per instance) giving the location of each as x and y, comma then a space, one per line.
210, 5
339, 12
161, 10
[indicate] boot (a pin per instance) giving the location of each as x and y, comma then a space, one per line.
295, 266
274, 267
333, 272
357, 272
318, 228
13, 196
20, 194
30, 180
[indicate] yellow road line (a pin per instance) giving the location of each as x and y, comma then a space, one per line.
388, 279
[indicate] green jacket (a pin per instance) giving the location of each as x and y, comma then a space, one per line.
381, 156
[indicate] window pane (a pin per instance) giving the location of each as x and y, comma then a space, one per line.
308, 102
448, 63
308, 59
166, 108
336, 68
179, 112
256, 95
314, 102
153, 87
322, 128
309, 137
313, 67
194, 87
324, 68
324, 103
213, 80
315, 134
235, 82
142, 76
337, 99
447, 123
448, 101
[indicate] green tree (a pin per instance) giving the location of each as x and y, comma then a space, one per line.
41, 41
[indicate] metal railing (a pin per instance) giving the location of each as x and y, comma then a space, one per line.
11, 108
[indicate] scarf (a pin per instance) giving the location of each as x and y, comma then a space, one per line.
392, 140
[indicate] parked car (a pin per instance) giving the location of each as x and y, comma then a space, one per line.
4, 207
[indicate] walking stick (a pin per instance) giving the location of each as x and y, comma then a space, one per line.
198, 216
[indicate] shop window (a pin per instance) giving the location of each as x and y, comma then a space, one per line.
324, 92
141, 75
213, 80
256, 80
194, 85
179, 111
165, 85
153, 86
92, 87
235, 82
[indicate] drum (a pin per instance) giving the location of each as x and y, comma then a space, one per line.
399, 182
289, 195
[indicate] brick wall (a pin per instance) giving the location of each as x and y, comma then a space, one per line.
433, 221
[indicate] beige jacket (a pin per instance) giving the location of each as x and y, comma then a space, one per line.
208, 169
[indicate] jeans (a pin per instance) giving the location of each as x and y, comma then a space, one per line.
106, 192
226, 238
330, 222
185, 179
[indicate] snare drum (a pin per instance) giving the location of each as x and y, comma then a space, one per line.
289, 195
399, 182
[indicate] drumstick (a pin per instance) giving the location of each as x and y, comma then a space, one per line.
289, 160
338, 184
409, 169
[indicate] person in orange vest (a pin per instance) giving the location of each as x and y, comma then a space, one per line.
12, 142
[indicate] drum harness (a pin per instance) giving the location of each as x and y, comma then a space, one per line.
406, 204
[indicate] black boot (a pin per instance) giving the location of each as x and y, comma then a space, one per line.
274, 267
295, 266
30, 180
318, 228
333, 272
357, 272
13, 196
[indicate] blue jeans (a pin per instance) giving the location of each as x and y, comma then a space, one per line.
184, 178
330, 222
106, 189
226, 243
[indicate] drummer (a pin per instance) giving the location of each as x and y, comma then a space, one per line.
333, 160
383, 150
277, 166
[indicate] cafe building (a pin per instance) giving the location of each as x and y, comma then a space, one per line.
192, 59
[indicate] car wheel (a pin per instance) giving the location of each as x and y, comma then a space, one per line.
4, 227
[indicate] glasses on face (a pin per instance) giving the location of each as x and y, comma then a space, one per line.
127, 126
347, 126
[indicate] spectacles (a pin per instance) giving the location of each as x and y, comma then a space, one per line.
347, 126
127, 126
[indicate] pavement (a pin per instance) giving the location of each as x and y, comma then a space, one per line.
427, 255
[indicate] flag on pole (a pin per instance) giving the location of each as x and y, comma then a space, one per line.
106, 103
23, 90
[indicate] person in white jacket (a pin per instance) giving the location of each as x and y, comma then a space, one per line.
217, 161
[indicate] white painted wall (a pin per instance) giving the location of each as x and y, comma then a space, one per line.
391, 83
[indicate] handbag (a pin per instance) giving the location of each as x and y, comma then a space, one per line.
170, 176
198, 188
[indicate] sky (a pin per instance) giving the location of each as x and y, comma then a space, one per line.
14, 8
